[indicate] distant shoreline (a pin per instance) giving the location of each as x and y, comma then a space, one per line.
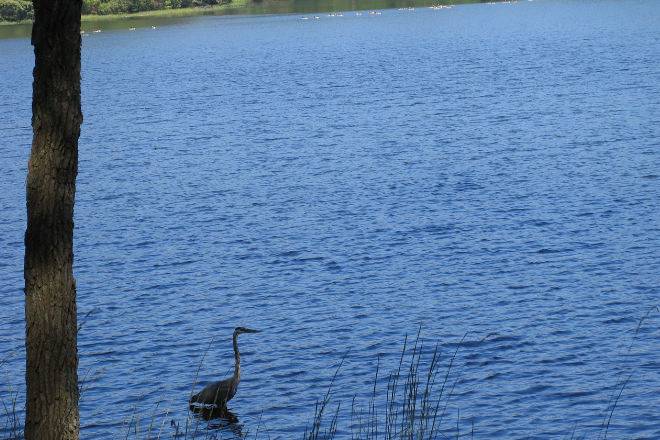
183, 12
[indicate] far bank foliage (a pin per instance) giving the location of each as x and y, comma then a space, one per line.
113, 7
16, 10
22, 10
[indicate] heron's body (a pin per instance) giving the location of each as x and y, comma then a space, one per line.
217, 393
220, 393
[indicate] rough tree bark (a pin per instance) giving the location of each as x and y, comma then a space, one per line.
50, 289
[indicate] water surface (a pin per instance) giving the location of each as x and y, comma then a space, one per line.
332, 181
178, 16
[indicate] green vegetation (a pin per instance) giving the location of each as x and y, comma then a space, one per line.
16, 11
170, 13
21, 11
116, 7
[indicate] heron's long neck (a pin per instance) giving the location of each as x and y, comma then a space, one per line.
237, 355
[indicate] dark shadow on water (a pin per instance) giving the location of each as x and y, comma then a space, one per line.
218, 417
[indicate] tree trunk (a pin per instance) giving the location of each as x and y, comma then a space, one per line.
50, 289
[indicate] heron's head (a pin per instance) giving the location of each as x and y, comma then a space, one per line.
240, 330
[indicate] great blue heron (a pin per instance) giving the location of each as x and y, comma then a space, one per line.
220, 393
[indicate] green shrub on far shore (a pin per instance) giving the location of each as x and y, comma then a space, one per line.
16, 10
112, 7
116, 7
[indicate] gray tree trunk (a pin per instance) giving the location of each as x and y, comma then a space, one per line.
50, 288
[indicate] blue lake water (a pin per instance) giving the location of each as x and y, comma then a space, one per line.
332, 181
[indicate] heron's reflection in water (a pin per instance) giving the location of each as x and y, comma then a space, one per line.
218, 418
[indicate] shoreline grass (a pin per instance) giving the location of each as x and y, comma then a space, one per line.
13, 428
411, 404
11, 23
413, 407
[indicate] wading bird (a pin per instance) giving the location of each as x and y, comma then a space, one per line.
220, 393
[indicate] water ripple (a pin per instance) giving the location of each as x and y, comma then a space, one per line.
490, 170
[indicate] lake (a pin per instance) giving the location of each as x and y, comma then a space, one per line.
490, 169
